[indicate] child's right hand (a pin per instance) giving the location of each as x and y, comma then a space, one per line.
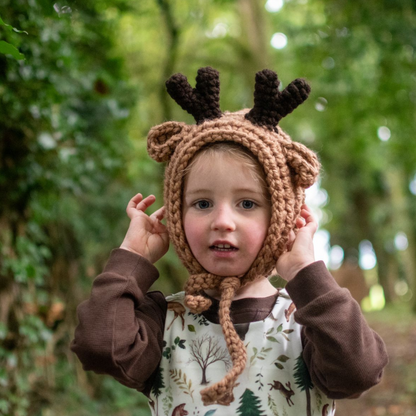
300, 249
146, 235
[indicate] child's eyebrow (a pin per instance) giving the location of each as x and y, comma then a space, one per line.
196, 191
249, 190
238, 190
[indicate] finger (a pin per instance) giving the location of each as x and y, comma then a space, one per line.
131, 206
307, 215
145, 203
156, 218
292, 237
159, 214
310, 222
306, 208
300, 222
134, 201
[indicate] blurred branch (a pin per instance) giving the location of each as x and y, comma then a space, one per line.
253, 35
173, 34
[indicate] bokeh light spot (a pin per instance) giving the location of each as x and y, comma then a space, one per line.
383, 133
274, 6
279, 40
367, 256
400, 241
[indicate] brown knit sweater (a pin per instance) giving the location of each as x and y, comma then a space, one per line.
121, 326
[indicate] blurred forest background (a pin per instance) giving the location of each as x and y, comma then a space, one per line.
81, 83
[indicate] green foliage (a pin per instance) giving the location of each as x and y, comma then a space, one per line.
302, 377
303, 381
62, 176
7, 48
158, 383
249, 404
360, 62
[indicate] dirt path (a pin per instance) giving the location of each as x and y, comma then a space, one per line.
396, 394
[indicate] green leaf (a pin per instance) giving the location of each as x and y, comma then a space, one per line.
288, 331
210, 412
30, 271
280, 328
11, 28
176, 341
8, 27
9, 49
191, 328
4, 406
283, 358
3, 331
273, 339
278, 365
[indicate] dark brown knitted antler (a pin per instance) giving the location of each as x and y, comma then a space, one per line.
270, 105
203, 101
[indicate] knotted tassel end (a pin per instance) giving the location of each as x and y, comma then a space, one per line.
197, 303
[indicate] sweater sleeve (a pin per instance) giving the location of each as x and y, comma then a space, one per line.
345, 357
120, 329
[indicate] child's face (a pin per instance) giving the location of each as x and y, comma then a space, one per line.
226, 214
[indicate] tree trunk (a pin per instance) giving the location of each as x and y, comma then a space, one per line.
253, 43
204, 376
403, 222
308, 402
172, 43
254, 32
387, 270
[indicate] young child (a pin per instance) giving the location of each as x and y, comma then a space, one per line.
234, 209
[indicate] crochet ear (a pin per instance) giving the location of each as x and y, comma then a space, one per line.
303, 164
163, 139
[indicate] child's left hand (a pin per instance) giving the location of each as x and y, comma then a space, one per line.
300, 247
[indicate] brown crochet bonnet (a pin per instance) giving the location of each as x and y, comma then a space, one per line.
289, 169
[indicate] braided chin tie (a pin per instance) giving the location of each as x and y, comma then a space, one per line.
221, 392
194, 288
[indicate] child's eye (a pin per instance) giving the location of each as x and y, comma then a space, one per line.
203, 204
247, 204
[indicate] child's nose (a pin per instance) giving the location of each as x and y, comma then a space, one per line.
223, 219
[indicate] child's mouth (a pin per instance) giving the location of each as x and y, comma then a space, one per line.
223, 247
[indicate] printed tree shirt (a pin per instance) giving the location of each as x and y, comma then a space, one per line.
274, 382
306, 346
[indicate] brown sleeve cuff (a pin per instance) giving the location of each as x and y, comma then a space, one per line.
125, 263
310, 283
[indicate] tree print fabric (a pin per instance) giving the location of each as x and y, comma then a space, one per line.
275, 381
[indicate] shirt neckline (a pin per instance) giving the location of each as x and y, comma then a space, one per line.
243, 310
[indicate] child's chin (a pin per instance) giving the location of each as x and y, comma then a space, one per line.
228, 273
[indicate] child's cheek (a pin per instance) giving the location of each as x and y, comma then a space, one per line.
255, 235
194, 230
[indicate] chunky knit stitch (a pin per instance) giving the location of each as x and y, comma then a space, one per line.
289, 168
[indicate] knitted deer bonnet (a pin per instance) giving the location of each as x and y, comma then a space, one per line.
289, 169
